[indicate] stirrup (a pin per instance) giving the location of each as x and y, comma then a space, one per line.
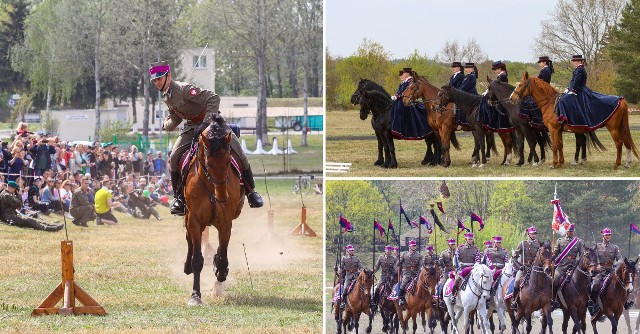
514, 305
255, 200
628, 304
177, 207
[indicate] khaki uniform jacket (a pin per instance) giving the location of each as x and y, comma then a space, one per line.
388, 266
526, 251
571, 259
8, 205
608, 254
409, 263
446, 260
186, 101
351, 265
429, 260
467, 255
80, 201
496, 257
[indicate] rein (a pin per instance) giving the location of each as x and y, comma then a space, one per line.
200, 163
544, 101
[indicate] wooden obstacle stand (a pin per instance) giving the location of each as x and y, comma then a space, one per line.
303, 228
68, 290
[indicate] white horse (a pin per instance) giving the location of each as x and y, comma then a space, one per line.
473, 297
497, 302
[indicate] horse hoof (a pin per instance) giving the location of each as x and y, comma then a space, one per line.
535, 164
480, 165
194, 301
378, 163
393, 166
627, 165
474, 165
219, 288
574, 163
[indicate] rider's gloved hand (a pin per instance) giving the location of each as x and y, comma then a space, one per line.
573, 93
566, 90
393, 97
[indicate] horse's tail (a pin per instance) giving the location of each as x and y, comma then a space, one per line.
624, 128
454, 140
518, 143
593, 141
545, 140
491, 142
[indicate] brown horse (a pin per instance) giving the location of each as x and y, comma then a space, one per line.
214, 197
421, 300
575, 293
635, 297
616, 294
390, 321
537, 294
358, 301
545, 95
441, 122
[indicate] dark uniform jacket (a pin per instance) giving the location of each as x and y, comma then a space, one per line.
545, 74
496, 257
467, 255
351, 265
469, 84
456, 80
526, 251
8, 205
186, 101
388, 265
579, 79
503, 77
571, 259
608, 254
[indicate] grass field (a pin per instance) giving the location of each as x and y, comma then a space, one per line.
135, 271
351, 140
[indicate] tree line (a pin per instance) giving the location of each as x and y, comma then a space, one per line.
507, 208
70, 54
605, 32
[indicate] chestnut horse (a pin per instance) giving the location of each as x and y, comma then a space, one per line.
421, 301
575, 293
537, 294
616, 294
545, 95
358, 301
469, 104
442, 122
214, 197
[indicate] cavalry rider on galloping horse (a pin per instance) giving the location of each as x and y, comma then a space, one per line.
430, 260
524, 256
388, 263
409, 265
496, 256
446, 262
565, 259
608, 257
467, 255
196, 105
350, 265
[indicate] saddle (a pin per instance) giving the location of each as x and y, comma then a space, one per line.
526, 277
566, 278
411, 287
604, 284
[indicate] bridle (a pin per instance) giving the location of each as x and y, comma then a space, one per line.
626, 282
201, 164
527, 85
416, 86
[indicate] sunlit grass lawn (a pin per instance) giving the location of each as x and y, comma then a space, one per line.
135, 271
351, 140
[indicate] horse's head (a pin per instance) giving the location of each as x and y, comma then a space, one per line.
483, 275
215, 144
429, 278
508, 269
362, 86
365, 278
628, 272
522, 89
445, 95
413, 91
365, 108
589, 260
543, 257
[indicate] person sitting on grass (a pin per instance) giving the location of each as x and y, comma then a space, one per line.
33, 197
104, 203
10, 203
82, 209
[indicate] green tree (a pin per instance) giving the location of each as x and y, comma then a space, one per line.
624, 51
12, 25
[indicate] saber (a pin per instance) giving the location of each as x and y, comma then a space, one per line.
247, 260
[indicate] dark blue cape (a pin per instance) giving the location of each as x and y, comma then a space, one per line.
468, 85
408, 123
493, 118
588, 110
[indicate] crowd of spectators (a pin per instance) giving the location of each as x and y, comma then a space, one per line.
51, 173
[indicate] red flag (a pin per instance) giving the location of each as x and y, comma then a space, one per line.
378, 227
439, 204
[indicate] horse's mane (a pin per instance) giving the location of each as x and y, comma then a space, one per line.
215, 132
371, 85
502, 83
376, 100
545, 86
466, 98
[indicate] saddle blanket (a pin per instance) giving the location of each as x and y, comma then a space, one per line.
509, 293
412, 285
336, 296
187, 160
448, 289
588, 110
394, 292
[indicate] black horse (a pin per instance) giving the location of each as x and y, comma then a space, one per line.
499, 92
469, 104
375, 100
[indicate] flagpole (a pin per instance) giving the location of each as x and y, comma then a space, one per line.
373, 260
419, 236
629, 251
388, 232
400, 225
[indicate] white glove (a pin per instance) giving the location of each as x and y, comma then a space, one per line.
566, 90
572, 93
393, 97
485, 92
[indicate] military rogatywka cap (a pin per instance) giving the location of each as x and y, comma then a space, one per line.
159, 69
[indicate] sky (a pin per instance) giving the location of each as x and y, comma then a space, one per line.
504, 29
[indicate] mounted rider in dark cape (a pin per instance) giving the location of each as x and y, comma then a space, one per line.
197, 106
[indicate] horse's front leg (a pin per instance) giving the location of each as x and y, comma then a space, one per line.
555, 146
483, 146
370, 314
549, 319
197, 261
392, 150
380, 139
188, 268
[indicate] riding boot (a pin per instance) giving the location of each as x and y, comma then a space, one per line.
628, 304
454, 291
177, 206
52, 228
592, 304
254, 199
343, 300
516, 291
401, 297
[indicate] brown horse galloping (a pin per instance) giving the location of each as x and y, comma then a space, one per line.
358, 301
616, 294
390, 320
214, 197
421, 301
537, 294
545, 95
575, 293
